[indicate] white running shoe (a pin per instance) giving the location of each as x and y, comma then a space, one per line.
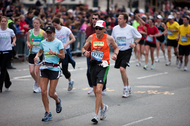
179, 65
168, 63
7, 89
185, 68
38, 90
165, 57
70, 86
138, 64
95, 119
91, 91
103, 112
35, 86
125, 93
104, 92
157, 60
129, 89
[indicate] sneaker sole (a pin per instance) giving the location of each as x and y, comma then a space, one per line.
125, 96
94, 121
60, 107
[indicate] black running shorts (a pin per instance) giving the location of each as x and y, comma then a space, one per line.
51, 75
98, 74
123, 59
184, 50
172, 43
31, 58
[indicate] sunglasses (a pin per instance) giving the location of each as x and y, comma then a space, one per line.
99, 28
95, 18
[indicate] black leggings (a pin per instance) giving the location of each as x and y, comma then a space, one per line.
4, 76
65, 71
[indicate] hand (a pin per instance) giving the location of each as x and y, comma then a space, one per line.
187, 35
177, 38
22, 30
14, 43
36, 59
28, 45
132, 45
51, 52
151, 35
65, 46
114, 57
87, 54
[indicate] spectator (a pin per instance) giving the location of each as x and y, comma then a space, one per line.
23, 25
29, 20
178, 18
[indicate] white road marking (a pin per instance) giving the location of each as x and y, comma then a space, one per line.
138, 121
152, 75
20, 77
150, 86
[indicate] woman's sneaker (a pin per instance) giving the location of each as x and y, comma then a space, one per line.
145, 67
58, 106
152, 67
168, 63
95, 119
185, 68
157, 60
70, 87
138, 64
91, 91
47, 116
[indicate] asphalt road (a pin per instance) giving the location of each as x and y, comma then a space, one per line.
160, 97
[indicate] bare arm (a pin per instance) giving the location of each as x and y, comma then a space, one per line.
14, 41
86, 45
27, 41
44, 35
61, 53
137, 16
165, 29
114, 45
72, 37
40, 52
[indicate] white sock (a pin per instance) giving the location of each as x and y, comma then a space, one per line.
125, 87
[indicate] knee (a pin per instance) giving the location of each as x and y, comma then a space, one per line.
51, 94
32, 72
43, 93
98, 92
122, 69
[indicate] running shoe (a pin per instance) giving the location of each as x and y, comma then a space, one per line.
125, 93
70, 87
168, 63
7, 89
58, 106
179, 65
165, 57
185, 68
35, 86
145, 67
129, 89
177, 60
138, 64
103, 112
104, 92
37, 90
95, 119
152, 67
157, 60
91, 91
47, 116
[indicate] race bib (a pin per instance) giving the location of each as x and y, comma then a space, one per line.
121, 41
35, 49
97, 55
149, 39
183, 39
170, 33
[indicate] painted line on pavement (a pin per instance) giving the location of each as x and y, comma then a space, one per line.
148, 86
20, 77
138, 121
154, 75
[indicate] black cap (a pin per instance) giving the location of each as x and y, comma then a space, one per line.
50, 28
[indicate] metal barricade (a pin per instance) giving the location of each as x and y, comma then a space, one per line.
76, 46
21, 47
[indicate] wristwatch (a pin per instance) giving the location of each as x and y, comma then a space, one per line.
135, 43
84, 52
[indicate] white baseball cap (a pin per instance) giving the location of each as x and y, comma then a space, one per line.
100, 23
159, 17
170, 17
